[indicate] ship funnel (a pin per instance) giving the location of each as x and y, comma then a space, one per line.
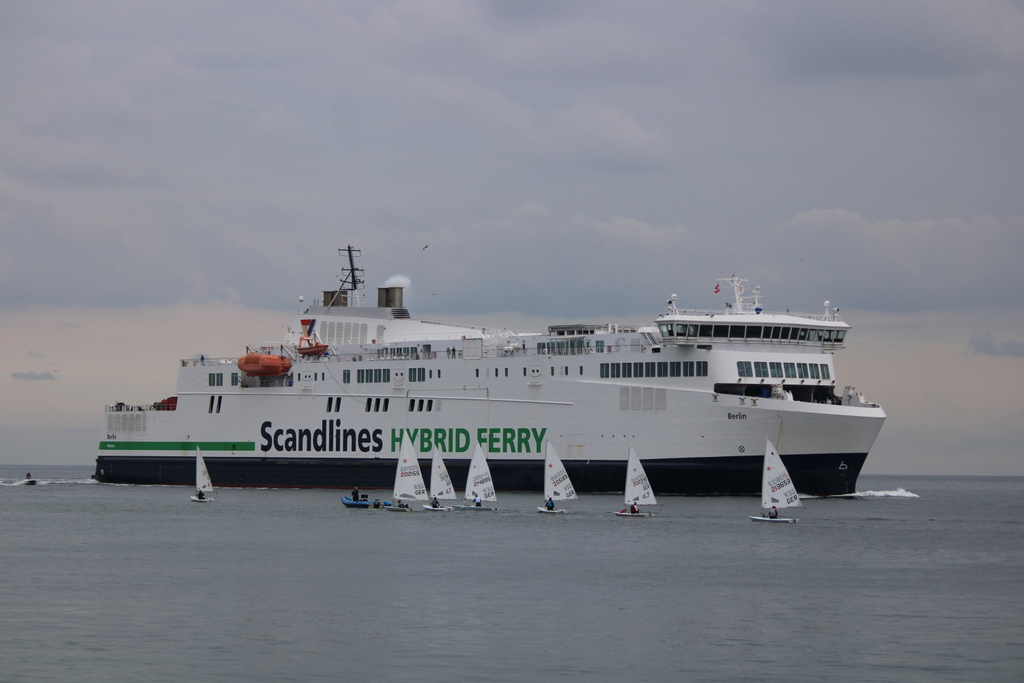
389, 297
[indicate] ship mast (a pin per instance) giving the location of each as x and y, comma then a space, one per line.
351, 278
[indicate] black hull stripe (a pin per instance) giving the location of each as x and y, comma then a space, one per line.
817, 475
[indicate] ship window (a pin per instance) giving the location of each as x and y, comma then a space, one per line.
337, 404
753, 331
599, 346
785, 333
604, 371
369, 404
705, 330
506, 372
649, 369
680, 330
234, 379
839, 335
430, 404
736, 331
412, 404
744, 369
760, 369
219, 399
815, 374
790, 370
387, 402
216, 379
330, 403
346, 376
673, 369
581, 371
702, 368
627, 370
210, 409
524, 372
419, 406
828, 335
376, 405
720, 331
552, 370
776, 331
478, 372
803, 334
615, 369
825, 372
776, 368
663, 369
801, 370
667, 329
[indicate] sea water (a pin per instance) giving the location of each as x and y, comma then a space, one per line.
918, 579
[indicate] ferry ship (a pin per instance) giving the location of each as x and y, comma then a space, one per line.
695, 393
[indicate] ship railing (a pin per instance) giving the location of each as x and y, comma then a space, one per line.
818, 317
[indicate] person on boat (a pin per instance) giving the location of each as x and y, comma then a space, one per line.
476, 500
434, 503
773, 513
200, 495
355, 494
28, 475
633, 509
550, 504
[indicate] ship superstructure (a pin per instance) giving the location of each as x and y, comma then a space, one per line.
695, 393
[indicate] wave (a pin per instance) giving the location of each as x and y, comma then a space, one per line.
47, 482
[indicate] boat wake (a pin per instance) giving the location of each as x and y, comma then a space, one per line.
898, 493
46, 482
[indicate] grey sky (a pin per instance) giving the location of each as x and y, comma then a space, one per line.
579, 160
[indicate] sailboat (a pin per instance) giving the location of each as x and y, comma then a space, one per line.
777, 489
440, 485
638, 489
204, 486
408, 480
557, 486
478, 484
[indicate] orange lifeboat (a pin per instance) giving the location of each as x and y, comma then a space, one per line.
264, 365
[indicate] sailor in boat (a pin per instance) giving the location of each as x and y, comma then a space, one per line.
772, 513
200, 495
434, 503
550, 504
355, 493
476, 500
633, 509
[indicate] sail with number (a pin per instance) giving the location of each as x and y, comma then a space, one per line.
557, 485
440, 483
408, 477
638, 489
479, 482
777, 489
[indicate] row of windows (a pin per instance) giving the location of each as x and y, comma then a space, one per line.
418, 374
372, 376
419, 405
769, 332
216, 379
566, 347
746, 368
690, 368
381, 405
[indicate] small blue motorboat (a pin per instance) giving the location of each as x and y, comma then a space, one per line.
348, 502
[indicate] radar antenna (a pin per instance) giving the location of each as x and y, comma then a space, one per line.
351, 278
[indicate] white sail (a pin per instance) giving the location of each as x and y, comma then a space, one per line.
556, 480
204, 485
478, 482
440, 483
638, 489
408, 477
777, 489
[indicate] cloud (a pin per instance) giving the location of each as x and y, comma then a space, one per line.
33, 375
986, 344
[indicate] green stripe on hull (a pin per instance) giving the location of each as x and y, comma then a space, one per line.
177, 445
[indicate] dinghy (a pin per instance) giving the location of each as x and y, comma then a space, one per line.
440, 485
204, 486
409, 484
777, 489
479, 485
638, 489
557, 486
